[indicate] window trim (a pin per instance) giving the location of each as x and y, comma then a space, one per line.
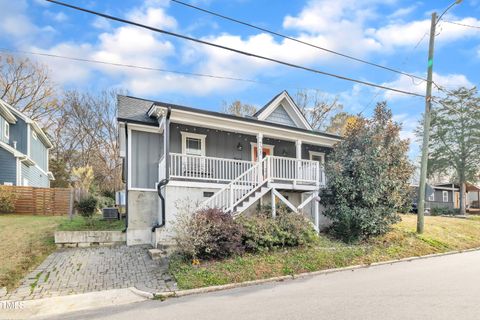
312, 153
34, 135
431, 197
6, 130
201, 137
443, 195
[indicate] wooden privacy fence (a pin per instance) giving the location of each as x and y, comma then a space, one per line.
43, 201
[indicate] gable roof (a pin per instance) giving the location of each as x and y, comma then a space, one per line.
284, 99
6, 113
135, 110
33, 123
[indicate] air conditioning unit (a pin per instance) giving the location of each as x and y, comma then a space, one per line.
110, 214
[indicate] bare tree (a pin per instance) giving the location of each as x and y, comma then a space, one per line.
86, 135
238, 108
27, 86
317, 107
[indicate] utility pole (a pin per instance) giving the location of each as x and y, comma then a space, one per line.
426, 129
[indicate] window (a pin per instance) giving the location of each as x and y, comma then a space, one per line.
193, 144
431, 197
34, 135
445, 196
317, 156
207, 194
6, 130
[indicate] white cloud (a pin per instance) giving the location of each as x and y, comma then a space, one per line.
13, 19
400, 34
402, 12
406, 83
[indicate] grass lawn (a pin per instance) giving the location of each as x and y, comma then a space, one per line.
25, 241
78, 223
442, 234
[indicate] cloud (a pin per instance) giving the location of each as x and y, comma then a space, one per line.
402, 12
405, 83
13, 19
400, 34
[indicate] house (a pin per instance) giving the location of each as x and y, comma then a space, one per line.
175, 154
447, 195
24, 150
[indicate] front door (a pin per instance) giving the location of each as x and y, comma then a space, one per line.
267, 151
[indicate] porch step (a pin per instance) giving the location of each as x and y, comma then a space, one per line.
252, 199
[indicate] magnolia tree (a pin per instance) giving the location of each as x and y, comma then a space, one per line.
368, 177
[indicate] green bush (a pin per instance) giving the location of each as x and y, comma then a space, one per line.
440, 211
262, 233
105, 202
368, 175
208, 234
87, 206
7, 199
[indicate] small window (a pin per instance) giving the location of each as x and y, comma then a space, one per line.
34, 135
431, 197
193, 144
6, 130
445, 196
207, 194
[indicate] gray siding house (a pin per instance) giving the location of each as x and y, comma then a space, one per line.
175, 156
23, 150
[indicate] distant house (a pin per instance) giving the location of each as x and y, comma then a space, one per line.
447, 195
23, 150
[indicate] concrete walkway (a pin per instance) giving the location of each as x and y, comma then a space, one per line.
80, 270
445, 287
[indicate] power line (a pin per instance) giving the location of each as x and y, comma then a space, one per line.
462, 24
233, 49
294, 39
129, 65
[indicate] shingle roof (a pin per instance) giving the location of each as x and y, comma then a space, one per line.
136, 110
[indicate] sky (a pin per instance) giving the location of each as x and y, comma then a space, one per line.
388, 32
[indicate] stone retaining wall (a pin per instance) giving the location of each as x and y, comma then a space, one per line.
89, 238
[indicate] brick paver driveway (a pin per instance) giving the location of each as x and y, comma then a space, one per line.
79, 270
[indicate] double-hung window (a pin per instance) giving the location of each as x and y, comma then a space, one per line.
445, 196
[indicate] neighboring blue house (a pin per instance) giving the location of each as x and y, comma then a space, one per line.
23, 150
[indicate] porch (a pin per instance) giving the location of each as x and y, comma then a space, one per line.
283, 172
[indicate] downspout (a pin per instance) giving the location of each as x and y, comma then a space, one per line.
161, 185
126, 176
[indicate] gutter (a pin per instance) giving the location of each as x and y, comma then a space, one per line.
161, 184
126, 176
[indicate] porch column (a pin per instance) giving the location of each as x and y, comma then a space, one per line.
298, 152
316, 212
260, 154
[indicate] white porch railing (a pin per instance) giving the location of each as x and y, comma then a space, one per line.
240, 188
190, 167
296, 170
206, 168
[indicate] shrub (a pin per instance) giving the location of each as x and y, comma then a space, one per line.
208, 234
263, 233
368, 175
7, 199
440, 211
105, 202
87, 206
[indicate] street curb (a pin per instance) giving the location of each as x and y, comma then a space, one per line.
182, 293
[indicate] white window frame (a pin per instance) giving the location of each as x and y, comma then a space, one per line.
431, 197
201, 137
445, 195
318, 154
6, 130
34, 135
